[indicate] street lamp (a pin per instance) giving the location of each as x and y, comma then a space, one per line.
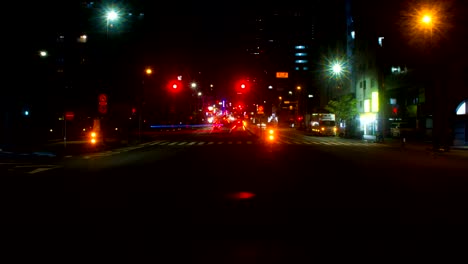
426, 21
110, 16
336, 70
141, 101
427, 25
148, 71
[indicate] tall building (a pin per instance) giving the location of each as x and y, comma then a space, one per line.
287, 44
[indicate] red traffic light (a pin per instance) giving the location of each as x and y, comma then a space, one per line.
174, 85
242, 86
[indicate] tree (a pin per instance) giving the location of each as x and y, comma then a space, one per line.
345, 109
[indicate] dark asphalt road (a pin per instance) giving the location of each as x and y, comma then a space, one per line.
229, 198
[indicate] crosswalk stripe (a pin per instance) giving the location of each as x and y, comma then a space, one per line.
362, 145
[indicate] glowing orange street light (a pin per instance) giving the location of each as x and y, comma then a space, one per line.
426, 19
429, 20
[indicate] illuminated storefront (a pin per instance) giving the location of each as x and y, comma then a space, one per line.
369, 121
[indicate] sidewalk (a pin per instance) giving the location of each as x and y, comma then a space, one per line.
410, 142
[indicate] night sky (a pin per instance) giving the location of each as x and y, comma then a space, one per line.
205, 33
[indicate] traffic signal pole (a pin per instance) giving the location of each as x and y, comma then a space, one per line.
64, 131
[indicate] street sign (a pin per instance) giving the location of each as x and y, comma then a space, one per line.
69, 116
260, 110
282, 75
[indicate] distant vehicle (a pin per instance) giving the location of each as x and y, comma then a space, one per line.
217, 125
323, 124
238, 125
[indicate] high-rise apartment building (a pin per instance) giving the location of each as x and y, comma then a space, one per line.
288, 43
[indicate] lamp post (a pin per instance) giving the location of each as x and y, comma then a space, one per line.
336, 70
141, 101
424, 25
110, 16
299, 106
427, 20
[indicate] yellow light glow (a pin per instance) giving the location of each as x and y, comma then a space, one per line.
366, 106
425, 23
375, 102
426, 19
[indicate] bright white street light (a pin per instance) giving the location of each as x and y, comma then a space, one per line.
112, 15
337, 68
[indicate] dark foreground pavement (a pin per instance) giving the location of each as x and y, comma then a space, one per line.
59, 148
